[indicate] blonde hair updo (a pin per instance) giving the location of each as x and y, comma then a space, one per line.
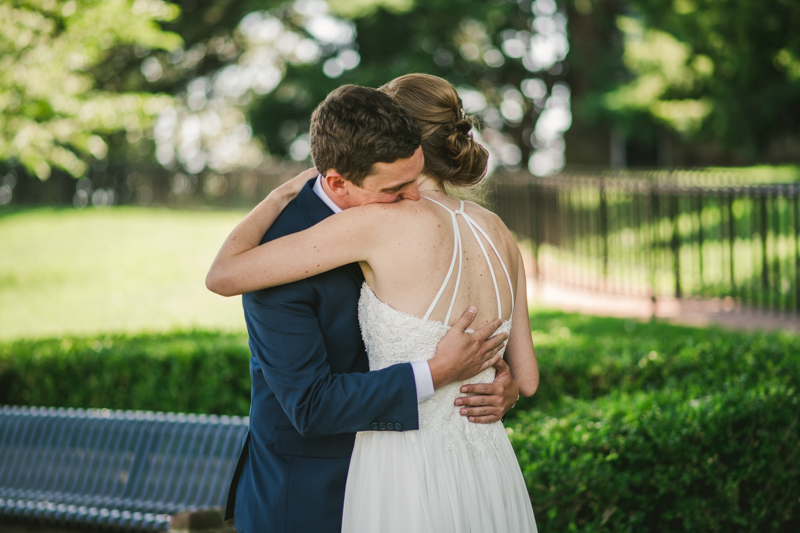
451, 154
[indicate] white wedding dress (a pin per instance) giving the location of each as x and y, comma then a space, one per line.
451, 475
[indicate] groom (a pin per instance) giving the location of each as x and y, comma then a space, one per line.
311, 389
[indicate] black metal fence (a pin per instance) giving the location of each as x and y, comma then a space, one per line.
145, 185
657, 236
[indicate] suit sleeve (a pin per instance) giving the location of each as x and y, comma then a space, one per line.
288, 343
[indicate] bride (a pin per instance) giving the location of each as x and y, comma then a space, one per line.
424, 263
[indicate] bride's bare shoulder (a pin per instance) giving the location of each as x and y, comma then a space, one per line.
389, 215
490, 218
495, 227
399, 208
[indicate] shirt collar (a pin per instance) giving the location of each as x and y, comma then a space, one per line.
324, 196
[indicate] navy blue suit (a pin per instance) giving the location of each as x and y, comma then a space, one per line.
311, 391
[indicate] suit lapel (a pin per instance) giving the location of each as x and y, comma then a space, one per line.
315, 211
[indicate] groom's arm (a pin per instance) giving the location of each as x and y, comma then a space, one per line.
287, 340
489, 402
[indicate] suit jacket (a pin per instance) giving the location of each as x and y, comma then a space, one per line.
311, 391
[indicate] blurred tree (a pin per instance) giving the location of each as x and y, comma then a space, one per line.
83, 78
727, 71
248, 74
269, 71
504, 57
55, 108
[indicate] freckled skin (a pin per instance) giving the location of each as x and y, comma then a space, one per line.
411, 262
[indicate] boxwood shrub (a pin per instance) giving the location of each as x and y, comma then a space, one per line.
198, 372
665, 461
588, 357
580, 357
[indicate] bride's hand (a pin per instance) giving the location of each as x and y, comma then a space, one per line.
288, 191
222, 277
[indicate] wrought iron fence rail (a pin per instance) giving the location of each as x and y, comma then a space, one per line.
660, 238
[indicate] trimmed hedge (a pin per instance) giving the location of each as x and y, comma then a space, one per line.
589, 357
207, 372
197, 372
727, 461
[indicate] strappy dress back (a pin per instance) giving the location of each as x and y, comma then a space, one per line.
450, 476
458, 254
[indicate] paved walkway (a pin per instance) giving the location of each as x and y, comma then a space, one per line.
698, 313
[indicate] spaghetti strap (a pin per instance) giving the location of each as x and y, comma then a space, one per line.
474, 224
458, 251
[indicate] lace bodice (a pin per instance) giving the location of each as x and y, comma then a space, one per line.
392, 336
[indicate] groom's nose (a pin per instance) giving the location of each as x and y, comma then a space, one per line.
411, 193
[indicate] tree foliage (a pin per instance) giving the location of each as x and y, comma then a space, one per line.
250, 74
54, 112
486, 49
83, 79
729, 71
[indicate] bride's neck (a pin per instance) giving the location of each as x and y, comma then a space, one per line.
428, 183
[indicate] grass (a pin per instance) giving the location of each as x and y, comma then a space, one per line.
111, 270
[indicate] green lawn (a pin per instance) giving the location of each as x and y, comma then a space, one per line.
111, 270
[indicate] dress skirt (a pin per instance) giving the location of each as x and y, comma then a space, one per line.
428, 481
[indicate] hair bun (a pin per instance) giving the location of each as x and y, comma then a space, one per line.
451, 154
458, 144
468, 158
464, 124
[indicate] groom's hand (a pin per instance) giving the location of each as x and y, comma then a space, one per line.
461, 354
490, 401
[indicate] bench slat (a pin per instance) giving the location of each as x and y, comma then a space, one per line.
131, 469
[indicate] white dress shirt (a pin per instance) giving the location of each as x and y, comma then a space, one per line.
422, 372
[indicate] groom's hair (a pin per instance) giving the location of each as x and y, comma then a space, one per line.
356, 127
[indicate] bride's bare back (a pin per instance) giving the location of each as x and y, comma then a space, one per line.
417, 248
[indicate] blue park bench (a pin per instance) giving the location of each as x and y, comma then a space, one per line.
115, 470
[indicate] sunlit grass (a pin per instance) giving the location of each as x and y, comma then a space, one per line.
111, 270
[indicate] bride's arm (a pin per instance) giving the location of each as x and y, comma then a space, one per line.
519, 353
243, 265
248, 233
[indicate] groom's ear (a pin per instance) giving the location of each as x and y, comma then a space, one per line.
337, 184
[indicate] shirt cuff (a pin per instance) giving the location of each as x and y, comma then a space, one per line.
423, 379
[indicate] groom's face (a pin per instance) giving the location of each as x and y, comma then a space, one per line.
389, 182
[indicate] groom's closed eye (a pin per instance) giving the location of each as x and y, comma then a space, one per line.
398, 188
393, 190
